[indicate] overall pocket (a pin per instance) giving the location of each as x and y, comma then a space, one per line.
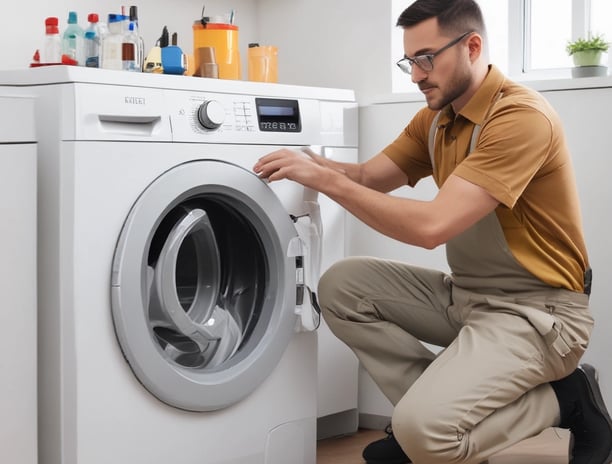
556, 330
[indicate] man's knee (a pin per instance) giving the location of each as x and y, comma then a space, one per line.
426, 433
338, 285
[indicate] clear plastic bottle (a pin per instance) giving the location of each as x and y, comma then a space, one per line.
112, 56
52, 47
135, 30
94, 23
92, 50
129, 50
102, 33
92, 41
73, 40
102, 30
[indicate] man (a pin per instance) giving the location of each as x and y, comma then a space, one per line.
513, 314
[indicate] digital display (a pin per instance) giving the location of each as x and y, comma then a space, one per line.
277, 115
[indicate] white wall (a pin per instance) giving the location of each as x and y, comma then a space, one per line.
338, 43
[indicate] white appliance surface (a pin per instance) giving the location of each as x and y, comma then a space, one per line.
119, 155
18, 430
338, 367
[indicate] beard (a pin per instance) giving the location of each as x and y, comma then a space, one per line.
457, 86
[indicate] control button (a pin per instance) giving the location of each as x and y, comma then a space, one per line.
211, 114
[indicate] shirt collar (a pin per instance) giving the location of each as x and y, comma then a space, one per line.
477, 108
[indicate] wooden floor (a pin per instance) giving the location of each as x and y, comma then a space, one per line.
550, 447
346, 450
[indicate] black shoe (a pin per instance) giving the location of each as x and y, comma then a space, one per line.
584, 412
385, 451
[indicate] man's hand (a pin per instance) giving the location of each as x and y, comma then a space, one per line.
294, 165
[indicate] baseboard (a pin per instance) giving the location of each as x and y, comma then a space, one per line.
338, 424
373, 421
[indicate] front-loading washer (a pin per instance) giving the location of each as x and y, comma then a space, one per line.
18, 429
175, 286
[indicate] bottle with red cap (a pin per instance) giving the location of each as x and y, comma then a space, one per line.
52, 47
92, 41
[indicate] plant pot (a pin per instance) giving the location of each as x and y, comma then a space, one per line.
589, 71
587, 58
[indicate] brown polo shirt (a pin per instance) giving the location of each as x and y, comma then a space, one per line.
521, 158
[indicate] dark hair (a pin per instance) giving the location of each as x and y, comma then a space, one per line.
454, 16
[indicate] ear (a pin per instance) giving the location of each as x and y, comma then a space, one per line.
475, 46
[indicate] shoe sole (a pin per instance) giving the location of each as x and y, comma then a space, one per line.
590, 375
389, 462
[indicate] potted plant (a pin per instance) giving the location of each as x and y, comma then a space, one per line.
587, 54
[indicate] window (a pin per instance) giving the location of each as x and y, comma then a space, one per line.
544, 38
547, 44
601, 12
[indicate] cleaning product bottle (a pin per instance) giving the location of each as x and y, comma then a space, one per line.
129, 50
94, 23
140, 47
92, 41
112, 57
52, 47
92, 50
73, 41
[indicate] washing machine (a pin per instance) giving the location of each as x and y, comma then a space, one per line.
177, 311
18, 427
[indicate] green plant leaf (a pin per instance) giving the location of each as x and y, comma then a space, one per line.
596, 42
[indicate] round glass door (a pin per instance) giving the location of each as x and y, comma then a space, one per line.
204, 285
207, 273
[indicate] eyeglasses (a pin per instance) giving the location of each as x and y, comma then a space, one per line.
425, 62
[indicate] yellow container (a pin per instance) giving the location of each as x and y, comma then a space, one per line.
224, 39
263, 63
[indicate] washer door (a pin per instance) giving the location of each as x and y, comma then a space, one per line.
204, 285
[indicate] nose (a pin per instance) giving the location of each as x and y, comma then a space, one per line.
417, 75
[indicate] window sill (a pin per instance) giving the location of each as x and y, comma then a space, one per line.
541, 85
569, 83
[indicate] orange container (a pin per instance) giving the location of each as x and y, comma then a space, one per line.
224, 39
263, 63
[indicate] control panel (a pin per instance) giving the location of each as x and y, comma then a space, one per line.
266, 114
214, 117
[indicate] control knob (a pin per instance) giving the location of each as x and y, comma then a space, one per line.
211, 114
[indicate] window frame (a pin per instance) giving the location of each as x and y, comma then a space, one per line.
519, 32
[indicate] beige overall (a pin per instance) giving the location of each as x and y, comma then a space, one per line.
506, 335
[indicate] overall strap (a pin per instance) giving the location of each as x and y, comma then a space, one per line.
433, 131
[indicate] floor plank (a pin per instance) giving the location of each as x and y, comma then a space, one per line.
549, 447
346, 449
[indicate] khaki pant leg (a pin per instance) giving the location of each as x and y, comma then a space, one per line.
489, 389
381, 309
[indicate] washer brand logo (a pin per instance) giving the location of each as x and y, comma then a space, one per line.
135, 100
